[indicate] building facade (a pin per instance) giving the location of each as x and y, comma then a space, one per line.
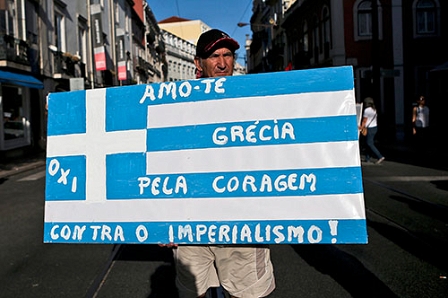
396, 48
59, 45
20, 86
180, 57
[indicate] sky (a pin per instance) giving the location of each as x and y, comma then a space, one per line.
219, 14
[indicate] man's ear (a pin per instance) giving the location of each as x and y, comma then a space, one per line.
197, 63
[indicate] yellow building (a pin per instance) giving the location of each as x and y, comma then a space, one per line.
189, 30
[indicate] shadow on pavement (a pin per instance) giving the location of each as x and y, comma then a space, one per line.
345, 269
443, 185
431, 253
432, 210
144, 252
162, 281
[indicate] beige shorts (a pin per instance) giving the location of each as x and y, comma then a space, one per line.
243, 271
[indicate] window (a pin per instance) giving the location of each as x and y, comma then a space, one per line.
326, 33
81, 53
326, 25
31, 21
13, 19
59, 30
304, 41
365, 18
15, 109
13, 112
425, 17
295, 47
117, 13
316, 35
21, 24
82, 40
127, 21
7, 18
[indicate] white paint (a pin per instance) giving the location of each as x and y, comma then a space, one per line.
289, 106
349, 206
331, 154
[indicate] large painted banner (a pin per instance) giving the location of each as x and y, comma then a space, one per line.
266, 158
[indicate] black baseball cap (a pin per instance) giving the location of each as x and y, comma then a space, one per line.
213, 39
368, 100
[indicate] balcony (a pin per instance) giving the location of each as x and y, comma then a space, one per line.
145, 68
14, 52
67, 66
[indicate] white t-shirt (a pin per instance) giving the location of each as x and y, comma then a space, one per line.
370, 113
422, 119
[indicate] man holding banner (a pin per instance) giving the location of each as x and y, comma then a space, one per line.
243, 271
218, 168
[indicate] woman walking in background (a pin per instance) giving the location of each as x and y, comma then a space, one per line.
420, 123
369, 120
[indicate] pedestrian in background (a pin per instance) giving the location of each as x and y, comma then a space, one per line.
242, 270
420, 123
369, 120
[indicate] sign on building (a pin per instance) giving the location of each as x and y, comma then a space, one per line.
98, 40
76, 84
121, 59
265, 158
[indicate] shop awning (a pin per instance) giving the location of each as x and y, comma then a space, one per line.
20, 79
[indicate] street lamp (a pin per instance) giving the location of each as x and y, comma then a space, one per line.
261, 25
265, 40
242, 24
271, 24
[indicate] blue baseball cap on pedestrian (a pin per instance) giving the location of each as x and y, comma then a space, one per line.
213, 39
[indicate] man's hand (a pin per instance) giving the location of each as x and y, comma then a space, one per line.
169, 245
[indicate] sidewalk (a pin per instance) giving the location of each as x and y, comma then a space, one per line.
432, 157
13, 166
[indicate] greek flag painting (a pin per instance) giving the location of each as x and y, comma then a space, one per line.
267, 158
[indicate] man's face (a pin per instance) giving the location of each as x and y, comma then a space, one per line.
218, 64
